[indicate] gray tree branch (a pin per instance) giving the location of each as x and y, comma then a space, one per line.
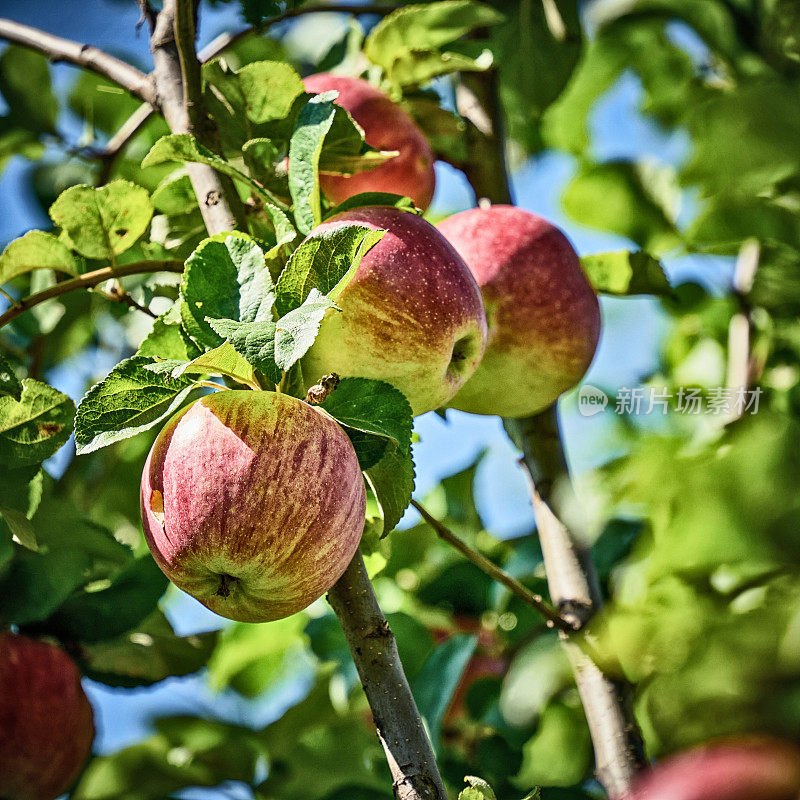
571, 574
397, 719
81, 55
216, 194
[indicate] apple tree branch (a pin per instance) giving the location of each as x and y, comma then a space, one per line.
570, 570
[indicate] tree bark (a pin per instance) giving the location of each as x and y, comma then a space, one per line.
415, 775
570, 570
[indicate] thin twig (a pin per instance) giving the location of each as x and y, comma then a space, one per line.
86, 281
81, 55
739, 329
554, 619
397, 719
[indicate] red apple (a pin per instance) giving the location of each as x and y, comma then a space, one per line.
386, 127
543, 315
759, 768
412, 315
46, 723
253, 502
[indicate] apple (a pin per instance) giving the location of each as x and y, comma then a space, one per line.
412, 315
46, 721
253, 502
386, 127
543, 315
758, 768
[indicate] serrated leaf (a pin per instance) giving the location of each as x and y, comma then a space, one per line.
374, 415
37, 250
104, 222
226, 277
325, 262
131, 399
185, 148
9, 382
35, 426
222, 360
272, 347
270, 89
392, 482
626, 273
165, 340
408, 42
305, 147
478, 789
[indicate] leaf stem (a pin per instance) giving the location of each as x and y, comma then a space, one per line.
87, 281
554, 619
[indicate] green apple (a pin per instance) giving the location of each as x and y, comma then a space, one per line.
412, 315
386, 127
253, 502
46, 721
543, 315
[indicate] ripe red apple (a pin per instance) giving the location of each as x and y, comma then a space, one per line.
386, 127
412, 315
543, 315
46, 723
253, 502
759, 768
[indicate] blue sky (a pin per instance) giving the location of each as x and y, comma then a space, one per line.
628, 347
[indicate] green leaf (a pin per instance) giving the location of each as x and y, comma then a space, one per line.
272, 347
222, 360
251, 657
374, 415
408, 42
374, 199
20, 527
165, 340
25, 85
626, 273
37, 250
97, 615
437, 680
185, 148
478, 789
392, 482
305, 147
104, 222
9, 382
627, 199
148, 653
35, 426
325, 262
270, 89
131, 399
226, 277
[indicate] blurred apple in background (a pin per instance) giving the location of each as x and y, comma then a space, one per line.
46, 721
386, 127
